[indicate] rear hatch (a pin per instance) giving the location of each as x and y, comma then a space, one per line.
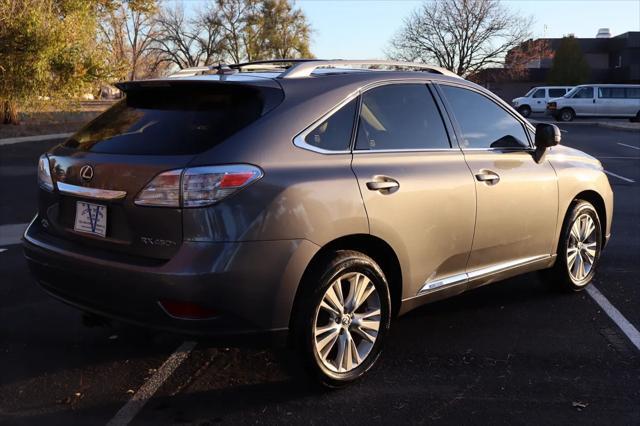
159, 126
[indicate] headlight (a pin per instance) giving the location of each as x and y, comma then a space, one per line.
44, 173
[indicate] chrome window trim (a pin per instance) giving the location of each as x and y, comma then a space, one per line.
93, 193
523, 149
300, 141
453, 280
401, 150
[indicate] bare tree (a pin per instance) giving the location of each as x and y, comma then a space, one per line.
233, 15
527, 55
463, 36
128, 28
189, 42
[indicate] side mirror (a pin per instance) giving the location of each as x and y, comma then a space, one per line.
547, 135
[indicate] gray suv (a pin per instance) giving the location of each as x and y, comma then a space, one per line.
312, 199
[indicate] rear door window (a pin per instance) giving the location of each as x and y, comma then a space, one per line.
483, 123
556, 93
633, 92
400, 117
175, 120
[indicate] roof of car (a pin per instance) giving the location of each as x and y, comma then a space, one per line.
608, 85
285, 69
303, 76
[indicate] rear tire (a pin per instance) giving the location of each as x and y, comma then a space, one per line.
341, 319
578, 249
635, 119
525, 111
567, 114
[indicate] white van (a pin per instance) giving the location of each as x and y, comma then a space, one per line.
536, 99
597, 100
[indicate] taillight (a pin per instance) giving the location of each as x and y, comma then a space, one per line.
197, 186
44, 173
162, 191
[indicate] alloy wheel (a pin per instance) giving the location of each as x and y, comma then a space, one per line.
347, 322
582, 247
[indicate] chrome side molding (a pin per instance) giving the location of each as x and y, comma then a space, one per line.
459, 279
94, 193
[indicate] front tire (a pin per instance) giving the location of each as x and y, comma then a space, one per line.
342, 318
579, 248
525, 111
567, 114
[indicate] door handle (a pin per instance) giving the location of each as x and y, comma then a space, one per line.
488, 177
384, 184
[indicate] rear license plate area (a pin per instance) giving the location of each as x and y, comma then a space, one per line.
91, 218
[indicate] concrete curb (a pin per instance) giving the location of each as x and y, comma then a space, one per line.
38, 138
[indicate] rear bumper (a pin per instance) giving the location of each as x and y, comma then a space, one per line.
250, 285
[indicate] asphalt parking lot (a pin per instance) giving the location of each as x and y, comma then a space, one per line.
511, 353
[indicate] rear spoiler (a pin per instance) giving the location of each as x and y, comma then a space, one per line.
267, 88
128, 86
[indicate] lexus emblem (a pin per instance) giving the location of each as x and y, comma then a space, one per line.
86, 173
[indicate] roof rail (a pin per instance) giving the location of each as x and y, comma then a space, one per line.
269, 64
185, 72
219, 69
307, 67
300, 68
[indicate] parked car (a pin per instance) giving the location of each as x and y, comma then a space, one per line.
536, 99
309, 201
597, 100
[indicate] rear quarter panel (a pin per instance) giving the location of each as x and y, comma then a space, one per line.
302, 195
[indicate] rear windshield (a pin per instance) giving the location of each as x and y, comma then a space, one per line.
173, 120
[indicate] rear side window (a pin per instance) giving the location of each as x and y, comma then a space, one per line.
556, 93
633, 92
400, 116
612, 92
176, 120
334, 133
483, 123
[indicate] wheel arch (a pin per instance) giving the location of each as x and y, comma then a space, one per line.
376, 248
597, 202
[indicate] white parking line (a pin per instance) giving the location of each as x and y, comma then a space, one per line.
620, 177
629, 146
146, 391
11, 234
627, 328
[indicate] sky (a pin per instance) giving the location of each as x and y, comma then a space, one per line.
361, 29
